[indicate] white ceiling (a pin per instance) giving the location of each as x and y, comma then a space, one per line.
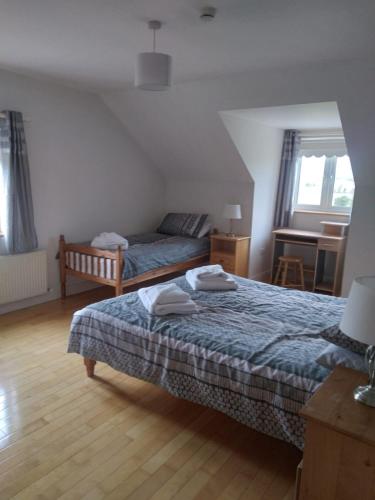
93, 43
322, 115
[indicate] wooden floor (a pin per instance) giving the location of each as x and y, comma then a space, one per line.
65, 436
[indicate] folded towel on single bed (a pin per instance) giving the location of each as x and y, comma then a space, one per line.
166, 299
212, 272
202, 278
109, 241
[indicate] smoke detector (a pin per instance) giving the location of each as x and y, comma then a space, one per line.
208, 14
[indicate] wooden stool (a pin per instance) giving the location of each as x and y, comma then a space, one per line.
297, 263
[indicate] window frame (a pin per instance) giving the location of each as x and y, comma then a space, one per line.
328, 184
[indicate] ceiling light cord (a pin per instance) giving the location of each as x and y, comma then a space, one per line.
154, 25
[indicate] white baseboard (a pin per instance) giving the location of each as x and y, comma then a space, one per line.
76, 286
23, 304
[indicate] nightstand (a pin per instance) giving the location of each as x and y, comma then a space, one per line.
339, 455
232, 252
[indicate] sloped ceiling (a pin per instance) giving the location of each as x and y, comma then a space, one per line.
182, 132
320, 115
93, 43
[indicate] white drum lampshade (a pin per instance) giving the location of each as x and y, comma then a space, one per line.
153, 71
232, 212
358, 322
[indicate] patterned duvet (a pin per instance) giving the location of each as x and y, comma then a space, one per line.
249, 353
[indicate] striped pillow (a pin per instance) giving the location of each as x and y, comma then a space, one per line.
177, 224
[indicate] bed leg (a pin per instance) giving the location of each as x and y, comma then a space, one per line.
90, 366
62, 266
63, 289
119, 269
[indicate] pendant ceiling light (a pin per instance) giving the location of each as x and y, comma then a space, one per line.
153, 69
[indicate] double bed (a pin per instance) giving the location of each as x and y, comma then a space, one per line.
249, 353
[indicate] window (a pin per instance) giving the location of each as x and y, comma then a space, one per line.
324, 183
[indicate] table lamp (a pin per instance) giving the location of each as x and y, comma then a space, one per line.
232, 212
358, 322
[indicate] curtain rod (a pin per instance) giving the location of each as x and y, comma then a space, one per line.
322, 133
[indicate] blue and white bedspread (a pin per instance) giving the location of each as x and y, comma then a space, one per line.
153, 250
249, 353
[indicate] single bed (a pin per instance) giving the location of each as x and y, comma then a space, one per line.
249, 353
149, 256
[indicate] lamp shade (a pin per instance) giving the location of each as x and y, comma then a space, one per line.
232, 212
358, 321
153, 71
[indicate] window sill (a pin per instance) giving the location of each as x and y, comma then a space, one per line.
321, 212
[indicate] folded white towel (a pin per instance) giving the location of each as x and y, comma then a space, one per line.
212, 272
188, 307
109, 241
212, 284
168, 293
166, 299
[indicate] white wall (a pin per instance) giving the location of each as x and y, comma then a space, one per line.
311, 221
87, 174
360, 253
260, 148
180, 129
210, 197
189, 143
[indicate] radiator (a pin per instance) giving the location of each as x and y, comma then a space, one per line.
23, 276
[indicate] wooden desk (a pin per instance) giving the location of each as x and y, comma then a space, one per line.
321, 245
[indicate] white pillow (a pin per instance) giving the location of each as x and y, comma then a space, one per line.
206, 228
334, 355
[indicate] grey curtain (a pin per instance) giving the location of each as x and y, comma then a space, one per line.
17, 216
284, 199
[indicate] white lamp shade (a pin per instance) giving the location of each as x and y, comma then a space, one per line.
358, 321
232, 212
153, 71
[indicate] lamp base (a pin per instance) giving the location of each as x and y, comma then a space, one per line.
365, 394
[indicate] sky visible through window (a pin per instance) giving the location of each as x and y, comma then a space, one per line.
343, 189
325, 183
311, 180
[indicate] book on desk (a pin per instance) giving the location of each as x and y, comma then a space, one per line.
327, 245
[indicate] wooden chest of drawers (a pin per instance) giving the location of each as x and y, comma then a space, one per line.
339, 454
232, 252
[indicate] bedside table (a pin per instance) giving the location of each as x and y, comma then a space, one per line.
232, 252
339, 455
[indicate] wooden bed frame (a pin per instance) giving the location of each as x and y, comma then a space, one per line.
114, 261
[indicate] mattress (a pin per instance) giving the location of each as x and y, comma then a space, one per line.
249, 353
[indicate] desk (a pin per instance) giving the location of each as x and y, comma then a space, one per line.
321, 245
